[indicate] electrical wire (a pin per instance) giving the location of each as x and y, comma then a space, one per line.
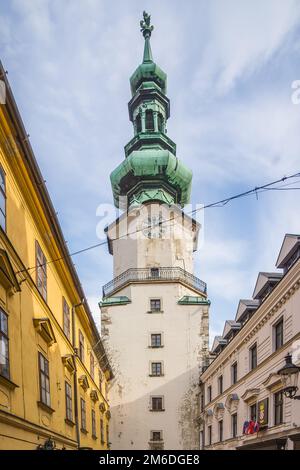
221, 203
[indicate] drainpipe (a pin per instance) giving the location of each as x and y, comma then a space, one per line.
75, 376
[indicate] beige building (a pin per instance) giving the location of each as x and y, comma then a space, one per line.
242, 401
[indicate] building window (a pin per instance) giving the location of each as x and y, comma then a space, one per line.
278, 408
154, 273
41, 271
156, 436
92, 365
138, 123
2, 200
221, 430
4, 350
101, 431
100, 380
83, 414
156, 369
156, 340
107, 435
253, 412
66, 319
209, 394
202, 402
157, 404
81, 346
69, 408
220, 384
160, 122
149, 120
234, 425
209, 435
93, 423
155, 305
253, 356
234, 373
278, 334
202, 442
44, 380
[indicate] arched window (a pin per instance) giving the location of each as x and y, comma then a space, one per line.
160, 120
2, 199
138, 123
149, 120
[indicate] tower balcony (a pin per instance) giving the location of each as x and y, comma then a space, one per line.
159, 275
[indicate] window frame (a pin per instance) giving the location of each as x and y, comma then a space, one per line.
153, 344
81, 344
93, 416
4, 195
209, 394
83, 414
92, 365
4, 336
152, 433
279, 323
220, 384
253, 348
157, 408
153, 307
221, 430
234, 425
66, 319
156, 369
44, 376
251, 414
41, 271
102, 438
234, 373
69, 401
209, 432
278, 404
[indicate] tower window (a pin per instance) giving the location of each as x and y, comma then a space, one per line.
157, 404
138, 123
155, 305
156, 340
156, 436
156, 369
149, 120
160, 121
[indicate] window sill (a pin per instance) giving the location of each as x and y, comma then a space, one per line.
157, 411
45, 407
69, 422
8, 383
154, 375
84, 431
155, 311
155, 347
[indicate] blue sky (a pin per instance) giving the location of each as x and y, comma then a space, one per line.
230, 67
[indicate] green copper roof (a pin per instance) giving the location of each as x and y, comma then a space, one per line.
109, 301
192, 300
151, 171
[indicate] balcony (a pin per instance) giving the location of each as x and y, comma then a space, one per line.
135, 275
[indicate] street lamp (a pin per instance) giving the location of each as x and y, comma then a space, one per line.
289, 374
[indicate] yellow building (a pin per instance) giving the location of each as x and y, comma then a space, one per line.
54, 371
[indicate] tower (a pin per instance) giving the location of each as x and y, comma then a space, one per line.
155, 311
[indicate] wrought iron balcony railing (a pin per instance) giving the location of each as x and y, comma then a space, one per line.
154, 274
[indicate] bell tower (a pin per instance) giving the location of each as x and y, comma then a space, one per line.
154, 311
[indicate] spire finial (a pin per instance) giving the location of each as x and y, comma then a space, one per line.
146, 28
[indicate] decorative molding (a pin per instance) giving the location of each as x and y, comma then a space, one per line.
83, 382
102, 407
250, 394
94, 396
44, 328
273, 382
69, 362
232, 402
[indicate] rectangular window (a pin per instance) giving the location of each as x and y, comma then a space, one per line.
93, 423
202, 402
253, 356
221, 430
83, 414
155, 273
202, 443
278, 408
155, 305
156, 340
44, 380
156, 369
69, 408
101, 431
278, 333
209, 394
234, 373
92, 366
107, 435
4, 350
81, 346
220, 384
234, 425
66, 319
41, 271
2, 200
157, 404
100, 380
156, 436
253, 412
209, 435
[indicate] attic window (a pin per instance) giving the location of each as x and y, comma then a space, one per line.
149, 120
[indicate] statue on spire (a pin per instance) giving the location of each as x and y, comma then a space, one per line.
146, 28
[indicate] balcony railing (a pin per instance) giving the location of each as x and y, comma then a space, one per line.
154, 274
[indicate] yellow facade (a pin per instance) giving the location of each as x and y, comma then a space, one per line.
42, 365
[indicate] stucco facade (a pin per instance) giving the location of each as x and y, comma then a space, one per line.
51, 387
241, 383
